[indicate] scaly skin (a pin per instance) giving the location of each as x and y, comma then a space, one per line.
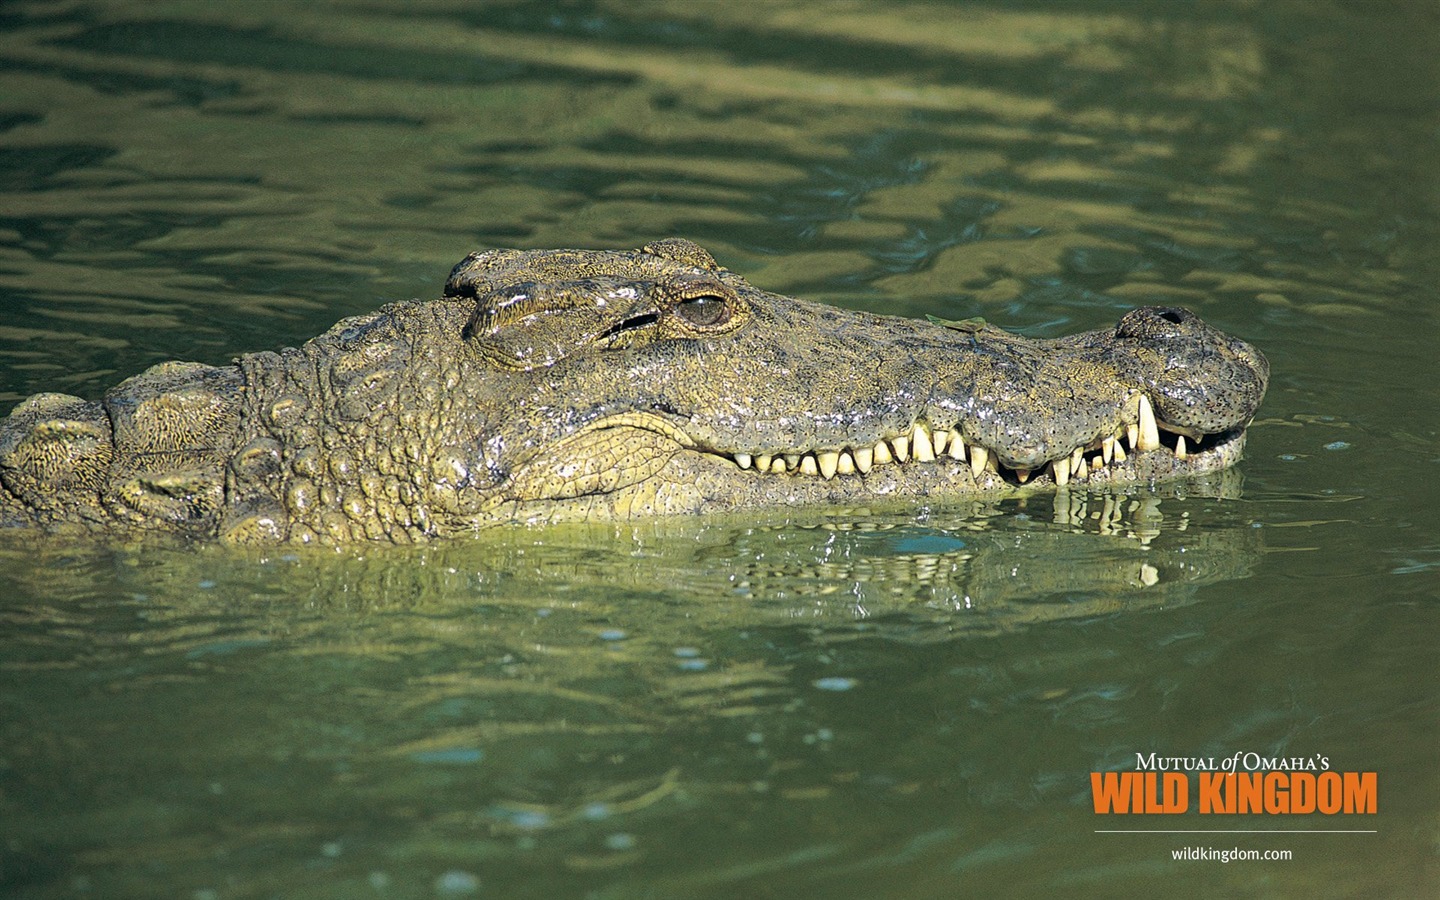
569, 384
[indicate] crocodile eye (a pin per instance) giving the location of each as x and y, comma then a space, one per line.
705, 310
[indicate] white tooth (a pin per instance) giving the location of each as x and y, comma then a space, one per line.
762, 462
792, 460
1082, 470
742, 460
1023, 475
1119, 452
808, 466
829, 462
864, 458
1132, 435
778, 465
902, 447
1180, 452
1107, 450
957, 446
882, 453
941, 440
922, 443
1060, 471
978, 457
845, 465
1077, 459
1149, 432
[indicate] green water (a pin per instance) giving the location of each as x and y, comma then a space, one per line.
889, 702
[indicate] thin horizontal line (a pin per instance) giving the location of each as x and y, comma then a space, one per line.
1241, 831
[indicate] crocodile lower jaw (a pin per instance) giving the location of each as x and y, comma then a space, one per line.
1106, 460
643, 463
1084, 469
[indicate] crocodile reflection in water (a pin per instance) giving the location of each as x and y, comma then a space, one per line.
580, 385
1077, 554
978, 566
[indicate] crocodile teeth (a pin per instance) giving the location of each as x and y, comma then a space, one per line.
957, 446
829, 461
978, 457
864, 458
1180, 451
1149, 432
902, 447
922, 443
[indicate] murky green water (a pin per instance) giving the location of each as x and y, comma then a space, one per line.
892, 702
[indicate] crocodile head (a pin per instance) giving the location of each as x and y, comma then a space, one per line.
657, 381
572, 384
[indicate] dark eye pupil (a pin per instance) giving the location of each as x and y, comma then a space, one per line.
704, 310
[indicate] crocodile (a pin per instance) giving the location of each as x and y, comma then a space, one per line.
552, 385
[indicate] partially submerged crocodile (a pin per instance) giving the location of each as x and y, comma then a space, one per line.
574, 384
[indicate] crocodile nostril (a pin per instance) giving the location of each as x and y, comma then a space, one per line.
1158, 323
